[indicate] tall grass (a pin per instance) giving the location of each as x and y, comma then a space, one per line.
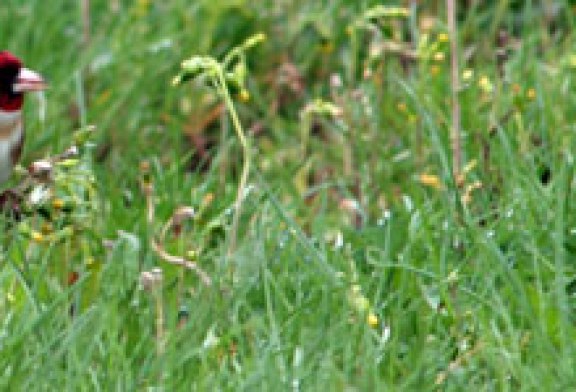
361, 262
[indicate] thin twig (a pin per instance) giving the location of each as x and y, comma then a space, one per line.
159, 249
455, 135
180, 261
85, 23
160, 334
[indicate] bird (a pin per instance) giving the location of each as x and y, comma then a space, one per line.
15, 82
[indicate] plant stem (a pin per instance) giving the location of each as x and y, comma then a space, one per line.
455, 137
160, 342
246, 157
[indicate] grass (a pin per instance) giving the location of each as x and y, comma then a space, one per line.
360, 262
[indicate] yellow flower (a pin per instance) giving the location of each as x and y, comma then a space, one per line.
58, 204
439, 56
443, 37
434, 70
467, 75
485, 84
372, 320
192, 254
244, 95
37, 236
531, 94
431, 180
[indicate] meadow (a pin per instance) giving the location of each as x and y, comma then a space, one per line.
274, 195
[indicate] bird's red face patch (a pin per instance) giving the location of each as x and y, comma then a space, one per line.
10, 66
8, 60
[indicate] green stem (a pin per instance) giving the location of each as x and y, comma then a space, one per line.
246, 157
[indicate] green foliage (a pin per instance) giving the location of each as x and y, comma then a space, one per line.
360, 263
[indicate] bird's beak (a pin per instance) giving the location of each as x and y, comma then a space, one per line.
28, 80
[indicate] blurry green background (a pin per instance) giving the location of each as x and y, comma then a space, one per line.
360, 264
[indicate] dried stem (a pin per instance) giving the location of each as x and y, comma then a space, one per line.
157, 246
180, 261
160, 335
85, 23
455, 135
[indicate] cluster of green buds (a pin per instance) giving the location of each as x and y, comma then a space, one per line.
376, 15
361, 305
379, 22
433, 48
322, 108
230, 73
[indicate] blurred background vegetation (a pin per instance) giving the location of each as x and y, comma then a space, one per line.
362, 263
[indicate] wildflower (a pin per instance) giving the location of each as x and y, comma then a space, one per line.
470, 166
443, 37
434, 70
467, 75
372, 320
452, 277
402, 107
485, 84
37, 236
58, 203
192, 254
244, 95
439, 56
431, 181
382, 11
254, 40
358, 301
531, 94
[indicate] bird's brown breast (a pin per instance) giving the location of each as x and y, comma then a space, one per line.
16, 149
8, 128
